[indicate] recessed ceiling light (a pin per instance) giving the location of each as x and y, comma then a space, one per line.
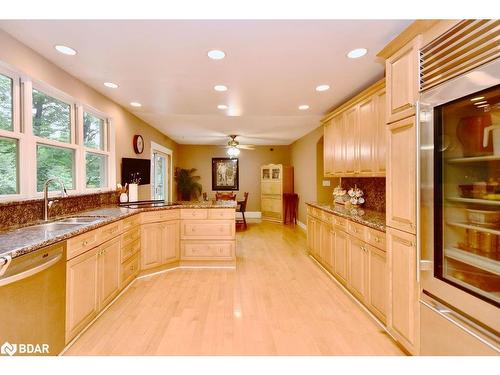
222, 106
322, 88
477, 98
111, 85
65, 50
484, 105
358, 52
303, 107
220, 88
135, 104
216, 54
481, 102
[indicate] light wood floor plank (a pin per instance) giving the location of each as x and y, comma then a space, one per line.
276, 302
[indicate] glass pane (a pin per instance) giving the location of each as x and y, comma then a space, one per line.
265, 174
8, 166
276, 174
93, 131
54, 162
159, 177
95, 169
467, 194
51, 117
6, 103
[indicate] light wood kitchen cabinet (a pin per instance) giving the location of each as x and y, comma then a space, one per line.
402, 81
109, 271
171, 248
159, 244
401, 175
402, 317
82, 291
326, 245
354, 136
377, 282
276, 179
358, 268
341, 256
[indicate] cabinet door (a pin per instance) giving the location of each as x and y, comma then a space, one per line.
377, 282
328, 149
326, 246
171, 242
402, 317
82, 292
402, 81
109, 271
310, 234
341, 256
401, 175
358, 268
337, 136
367, 136
350, 141
381, 134
152, 240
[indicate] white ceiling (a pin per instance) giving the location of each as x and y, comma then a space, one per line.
271, 67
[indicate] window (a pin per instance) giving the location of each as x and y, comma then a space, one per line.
6, 107
55, 162
95, 136
93, 131
8, 166
95, 170
51, 117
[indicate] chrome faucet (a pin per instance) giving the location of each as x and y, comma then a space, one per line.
48, 203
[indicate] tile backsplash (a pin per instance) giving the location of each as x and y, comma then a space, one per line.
373, 187
18, 213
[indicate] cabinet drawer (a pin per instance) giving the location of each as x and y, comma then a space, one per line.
207, 250
109, 231
340, 222
131, 235
130, 249
131, 221
208, 229
326, 216
80, 244
375, 238
221, 214
194, 214
356, 230
129, 270
159, 215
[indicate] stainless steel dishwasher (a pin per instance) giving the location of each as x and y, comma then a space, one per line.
32, 302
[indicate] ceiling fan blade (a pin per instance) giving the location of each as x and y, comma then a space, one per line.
247, 147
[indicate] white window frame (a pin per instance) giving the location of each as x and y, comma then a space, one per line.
27, 142
157, 147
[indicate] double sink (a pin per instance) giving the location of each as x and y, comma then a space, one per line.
68, 223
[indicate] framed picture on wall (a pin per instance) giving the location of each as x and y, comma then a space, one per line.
225, 174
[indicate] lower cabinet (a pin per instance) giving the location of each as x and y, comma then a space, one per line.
92, 281
358, 268
377, 282
403, 314
341, 256
159, 244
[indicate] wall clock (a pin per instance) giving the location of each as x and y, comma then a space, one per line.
138, 144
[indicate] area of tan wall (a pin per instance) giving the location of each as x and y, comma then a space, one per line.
200, 157
306, 156
25, 60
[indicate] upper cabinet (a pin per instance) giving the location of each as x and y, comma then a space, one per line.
402, 81
354, 136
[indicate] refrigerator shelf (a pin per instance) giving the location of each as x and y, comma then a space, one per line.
478, 261
473, 159
486, 202
475, 227
495, 296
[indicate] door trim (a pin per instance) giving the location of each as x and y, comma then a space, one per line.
157, 147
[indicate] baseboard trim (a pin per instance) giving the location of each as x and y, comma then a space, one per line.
302, 225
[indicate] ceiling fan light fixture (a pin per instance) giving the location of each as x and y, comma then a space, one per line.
233, 151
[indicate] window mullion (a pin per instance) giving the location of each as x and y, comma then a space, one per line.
80, 174
27, 150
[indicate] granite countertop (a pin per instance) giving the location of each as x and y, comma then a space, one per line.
370, 218
35, 236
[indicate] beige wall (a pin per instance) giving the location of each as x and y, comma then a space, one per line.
306, 156
25, 60
200, 157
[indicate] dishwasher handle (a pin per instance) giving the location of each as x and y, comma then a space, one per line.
30, 272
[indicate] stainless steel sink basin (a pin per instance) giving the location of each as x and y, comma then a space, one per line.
55, 226
79, 220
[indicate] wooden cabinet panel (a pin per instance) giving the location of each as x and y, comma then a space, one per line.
82, 292
272, 207
401, 175
207, 250
358, 268
131, 222
377, 282
131, 235
152, 242
310, 233
367, 136
381, 133
271, 187
160, 215
82, 243
375, 238
356, 230
170, 250
109, 271
222, 213
208, 229
402, 317
337, 146
402, 81
350, 141
130, 249
341, 256
194, 214
129, 270
328, 140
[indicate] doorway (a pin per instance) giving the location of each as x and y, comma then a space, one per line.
161, 172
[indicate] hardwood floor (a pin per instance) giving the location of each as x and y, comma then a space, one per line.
276, 302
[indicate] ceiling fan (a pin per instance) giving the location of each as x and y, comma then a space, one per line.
234, 147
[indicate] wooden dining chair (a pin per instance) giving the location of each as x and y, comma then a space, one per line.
219, 196
242, 207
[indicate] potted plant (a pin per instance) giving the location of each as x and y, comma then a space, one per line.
188, 186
